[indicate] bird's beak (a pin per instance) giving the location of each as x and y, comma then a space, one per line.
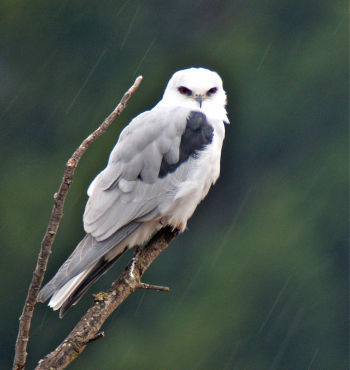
199, 99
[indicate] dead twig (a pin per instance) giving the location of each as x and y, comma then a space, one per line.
105, 303
54, 221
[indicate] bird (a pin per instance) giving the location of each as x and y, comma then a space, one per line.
162, 166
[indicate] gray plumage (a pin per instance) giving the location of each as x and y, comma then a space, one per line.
118, 195
162, 166
88, 251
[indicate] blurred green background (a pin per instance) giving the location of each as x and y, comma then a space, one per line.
260, 279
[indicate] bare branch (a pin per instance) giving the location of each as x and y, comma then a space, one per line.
105, 303
158, 288
55, 218
97, 336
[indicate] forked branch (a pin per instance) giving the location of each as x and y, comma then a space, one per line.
54, 221
87, 329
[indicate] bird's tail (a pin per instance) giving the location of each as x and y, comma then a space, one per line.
71, 292
88, 278
85, 265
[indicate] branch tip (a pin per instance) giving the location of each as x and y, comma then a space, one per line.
158, 288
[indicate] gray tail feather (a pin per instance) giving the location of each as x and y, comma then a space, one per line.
46, 292
88, 252
101, 267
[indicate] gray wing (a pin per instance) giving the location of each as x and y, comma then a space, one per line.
140, 176
148, 164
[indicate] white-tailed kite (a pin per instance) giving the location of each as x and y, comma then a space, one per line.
162, 166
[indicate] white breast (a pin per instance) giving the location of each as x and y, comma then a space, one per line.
205, 170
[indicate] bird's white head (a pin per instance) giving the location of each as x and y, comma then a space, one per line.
196, 88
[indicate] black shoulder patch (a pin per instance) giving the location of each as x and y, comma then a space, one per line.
197, 135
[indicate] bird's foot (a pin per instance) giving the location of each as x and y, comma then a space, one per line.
181, 227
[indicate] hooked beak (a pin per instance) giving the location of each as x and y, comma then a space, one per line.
199, 99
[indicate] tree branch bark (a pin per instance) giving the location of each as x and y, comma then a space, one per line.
87, 329
54, 221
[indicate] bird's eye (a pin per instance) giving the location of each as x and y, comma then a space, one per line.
185, 91
212, 91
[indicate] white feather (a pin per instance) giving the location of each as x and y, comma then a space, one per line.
62, 294
130, 189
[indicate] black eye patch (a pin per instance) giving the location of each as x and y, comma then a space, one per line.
185, 91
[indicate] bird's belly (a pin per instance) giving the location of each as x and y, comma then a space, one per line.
205, 171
